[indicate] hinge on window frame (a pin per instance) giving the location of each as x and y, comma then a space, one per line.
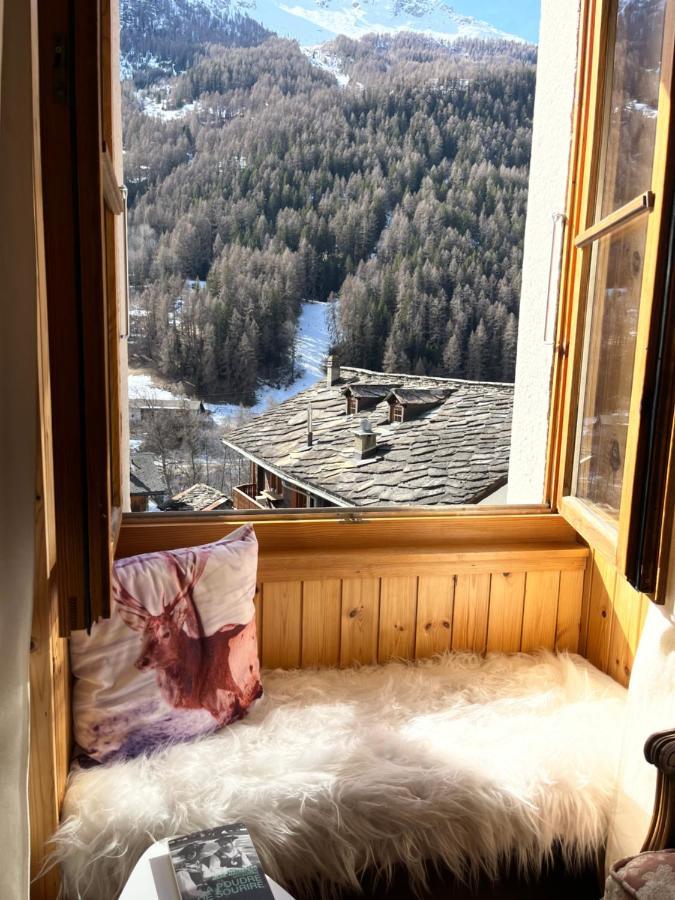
351, 517
59, 69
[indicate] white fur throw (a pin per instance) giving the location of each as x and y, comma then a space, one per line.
461, 760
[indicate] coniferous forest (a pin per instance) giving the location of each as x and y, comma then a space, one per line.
401, 195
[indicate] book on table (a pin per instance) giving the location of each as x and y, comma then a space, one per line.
218, 862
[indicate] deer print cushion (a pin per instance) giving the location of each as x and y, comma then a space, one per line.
177, 658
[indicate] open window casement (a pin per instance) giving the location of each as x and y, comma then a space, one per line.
609, 385
83, 208
617, 416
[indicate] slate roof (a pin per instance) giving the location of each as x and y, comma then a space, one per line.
415, 397
453, 453
364, 390
144, 476
200, 498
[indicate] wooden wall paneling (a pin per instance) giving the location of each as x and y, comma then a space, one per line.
505, 619
586, 606
282, 624
398, 613
570, 601
644, 609
62, 684
603, 579
435, 599
627, 609
360, 620
374, 563
540, 614
470, 614
50, 738
257, 602
47, 768
321, 613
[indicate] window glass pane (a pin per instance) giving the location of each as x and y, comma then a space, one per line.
325, 247
611, 328
632, 103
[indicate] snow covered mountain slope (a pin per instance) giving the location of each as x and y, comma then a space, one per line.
161, 37
315, 21
164, 34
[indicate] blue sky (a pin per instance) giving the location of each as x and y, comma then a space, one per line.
519, 17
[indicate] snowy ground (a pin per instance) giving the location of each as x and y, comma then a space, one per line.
322, 60
311, 349
158, 111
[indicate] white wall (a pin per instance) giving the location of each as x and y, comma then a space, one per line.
18, 389
651, 707
552, 131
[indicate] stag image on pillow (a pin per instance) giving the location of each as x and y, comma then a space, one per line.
177, 658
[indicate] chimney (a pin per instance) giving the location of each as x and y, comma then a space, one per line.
332, 371
365, 440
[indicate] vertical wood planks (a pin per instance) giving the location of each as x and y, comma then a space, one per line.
282, 624
505, 619
570, 599
470, 616
321, 609
540, 613
611, 630
398, 606
625, 631
257, 603
435, 599
603, 579
360, 620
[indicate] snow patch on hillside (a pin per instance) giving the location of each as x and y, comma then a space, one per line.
156, 102
313, 22
311, 348
159, 110
332, 64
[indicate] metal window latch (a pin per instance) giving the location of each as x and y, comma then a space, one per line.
59, 69
126, 316
553, 286
351, 517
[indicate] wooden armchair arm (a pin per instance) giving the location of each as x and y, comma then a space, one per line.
660, 752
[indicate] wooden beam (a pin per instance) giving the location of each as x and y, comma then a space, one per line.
320, 532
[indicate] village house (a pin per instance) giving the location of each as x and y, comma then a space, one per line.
142, 409
199, 498
363, 438
147, 488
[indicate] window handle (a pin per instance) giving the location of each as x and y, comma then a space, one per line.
125, 271
553, 286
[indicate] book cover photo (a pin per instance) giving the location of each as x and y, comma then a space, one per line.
218, 862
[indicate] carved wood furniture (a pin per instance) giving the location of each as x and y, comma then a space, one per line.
660, 752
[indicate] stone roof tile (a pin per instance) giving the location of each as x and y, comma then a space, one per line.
453, 453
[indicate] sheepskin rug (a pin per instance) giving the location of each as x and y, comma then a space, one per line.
460, 761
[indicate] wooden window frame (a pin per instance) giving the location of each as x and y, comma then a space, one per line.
84, 254
645, 508
100, 474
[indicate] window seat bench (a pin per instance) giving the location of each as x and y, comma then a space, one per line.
462, 762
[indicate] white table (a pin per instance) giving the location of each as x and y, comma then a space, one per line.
153, 879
